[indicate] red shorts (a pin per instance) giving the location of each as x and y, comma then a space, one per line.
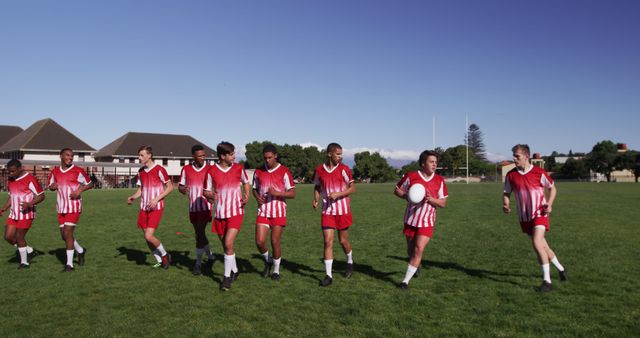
527, 227
68, 219
272, 221
200, 217
20, 224
413, 231
149, 219
220, 225
339, 222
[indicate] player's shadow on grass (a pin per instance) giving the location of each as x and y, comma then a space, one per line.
477, 273
16, 257
134, 255
61, 255
299, 269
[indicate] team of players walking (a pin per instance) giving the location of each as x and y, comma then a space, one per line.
226, 186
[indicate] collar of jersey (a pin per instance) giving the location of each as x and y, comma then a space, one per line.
21, 177
524, 172
64, 171
272, 170
149, 169
424, 178
324, 165
225, 170
196, 169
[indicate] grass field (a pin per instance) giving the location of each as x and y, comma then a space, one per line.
478, 278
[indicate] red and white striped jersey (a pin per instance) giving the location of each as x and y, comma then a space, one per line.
422, 215
528, 187
151, 181
68, 181
226, 184
194, 179
23, 189
334, 180
278, 178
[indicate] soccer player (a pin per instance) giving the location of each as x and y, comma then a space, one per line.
223, 186
70, 182
334, 183
528, 183
192, 179
272, 184
24, 193
154, 185
420, 218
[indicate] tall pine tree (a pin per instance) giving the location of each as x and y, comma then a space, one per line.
474, 139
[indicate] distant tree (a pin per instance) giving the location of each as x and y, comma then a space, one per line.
628, 160
413, 166
554, 153
574, 169
372, 167
473, 138
602, 158
253, 154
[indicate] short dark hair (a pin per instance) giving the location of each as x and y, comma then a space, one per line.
65, 149
269, 148
333, 147
14, 163
523, 147
146, 148
225, 148
195, 148
425, 155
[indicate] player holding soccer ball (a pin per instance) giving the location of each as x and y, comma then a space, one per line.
192, 180
528, 183
272, 184
420, 215
154, 185
223, 187
70, 182
334, 183
24, 193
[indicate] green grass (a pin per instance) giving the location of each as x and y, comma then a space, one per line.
478, 277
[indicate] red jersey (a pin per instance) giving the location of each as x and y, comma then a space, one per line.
278, 178
68, 181
422, 215
23, 189
152, 181
334, 180
528, 187
226, 184
194, 179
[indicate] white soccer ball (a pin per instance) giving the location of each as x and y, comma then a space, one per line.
416, 193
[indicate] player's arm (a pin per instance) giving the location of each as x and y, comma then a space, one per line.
401, 193
351, 188
291, 193
506, 199
316, 196
246, 190
552, 197
36, 199
436, 202
257, 196
135, 195
6, 206
76, 193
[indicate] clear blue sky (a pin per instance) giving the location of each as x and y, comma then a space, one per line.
558, 75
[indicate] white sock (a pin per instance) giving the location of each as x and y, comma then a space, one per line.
327, 267
276, 265
29, 249
410, 271
207, 249
266, 257
546, 274
77, 246
199, 253
161, 249
228, 264
350, 257
557, 264
234, 268
23, 255
156, 254
70, 257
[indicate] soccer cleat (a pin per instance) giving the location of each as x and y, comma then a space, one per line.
545, 287
81, 257
563, 275
234, 276
403, 286
267, 270
166, 261
349, 271
275, 277
197, 270
23, 266
326, 281
67, 268
157, 265
417, 273
226, 284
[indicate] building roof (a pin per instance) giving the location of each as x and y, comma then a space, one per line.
45, 135
164, 145
8, 132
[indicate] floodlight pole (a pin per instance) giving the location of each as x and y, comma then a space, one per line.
434, 132
467, 143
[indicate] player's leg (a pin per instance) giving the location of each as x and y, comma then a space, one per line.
539, 246
154, 242
69, 239
10, 234
201, 243
22, 246
328, 234
230, 265
343, 237
262, 230
276, 235
410, 245
419, 242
